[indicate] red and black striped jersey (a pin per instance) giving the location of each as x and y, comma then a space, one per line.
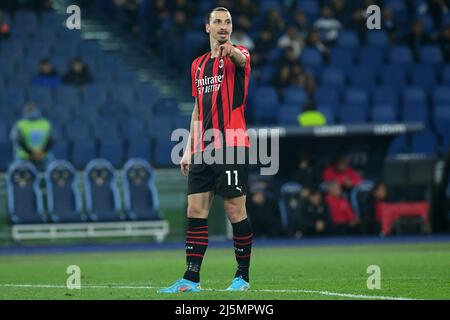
221, 90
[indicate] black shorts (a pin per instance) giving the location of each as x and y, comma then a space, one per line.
228, 180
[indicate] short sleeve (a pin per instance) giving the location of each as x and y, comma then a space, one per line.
246, 53
193, 71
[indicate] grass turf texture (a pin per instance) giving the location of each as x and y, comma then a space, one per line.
419, 271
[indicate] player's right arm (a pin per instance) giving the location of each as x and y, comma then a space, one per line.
186, 160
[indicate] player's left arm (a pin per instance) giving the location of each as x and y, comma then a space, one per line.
238, 56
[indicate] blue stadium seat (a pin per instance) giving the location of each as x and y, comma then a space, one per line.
183, 121
352, 114
371, 57
26, 20
441, 95
288, 116
95, 93
333, 77
327, 97
342, 57
265, 105
67, 96
431, 54
362, 77
24, 195
82, 153
386, 95
415, 113
78, 131
309, 7
133, 128
424, 76
42, 97
5, 155
383, 113
123, 94
348, 39
393, 76
311, 57
423, 143
161, 127
295, 95
113, 151
106, 129
446, 75
441, 117
329, 113
38, 49
13, 98
60, 114
148, 94
61, 150
266, 5
64, 203
356, 98
401, 55
414, 96
377, 38
139, 147
101, 192
268, 73
166, 106
141, 200
162, 153
399, 145
65, 49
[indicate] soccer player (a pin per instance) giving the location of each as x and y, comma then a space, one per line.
220, 80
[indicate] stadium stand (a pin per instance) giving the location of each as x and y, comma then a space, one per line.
375, 77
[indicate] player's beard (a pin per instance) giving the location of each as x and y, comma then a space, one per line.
223, 40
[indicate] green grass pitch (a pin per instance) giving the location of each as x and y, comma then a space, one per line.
417, 271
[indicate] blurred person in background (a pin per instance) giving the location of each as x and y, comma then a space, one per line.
292, 39
290, 73
339, 171
78, 73
328, 26
444, 43
32, 137
47, 75
416, 38
305, 174
274, 22
263, 212
4, 28
313, 40
316, 218
389, 24
311, 117
240, 37
435, 8
128, 13
301, 22
342, 214
371, 211
342, 11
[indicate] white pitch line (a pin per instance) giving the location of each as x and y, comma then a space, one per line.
325, 293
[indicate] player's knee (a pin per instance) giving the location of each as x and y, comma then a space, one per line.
194, 211
234, 211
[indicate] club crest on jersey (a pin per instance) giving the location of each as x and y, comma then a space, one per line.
221, 63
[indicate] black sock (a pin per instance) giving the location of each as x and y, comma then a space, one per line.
242, 236
196, 244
